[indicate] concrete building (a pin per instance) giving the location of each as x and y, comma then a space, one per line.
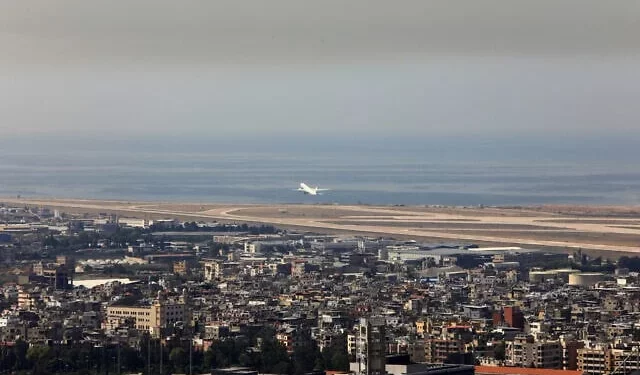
585, 279
502, 370
570, 353
216, 269
593, 361
542, 276
438, 350
252, 247
623, 361
133, 222
428, 369
525, 351
152, 318
181, 267
27, 299
510, 316
476, 312
370, 344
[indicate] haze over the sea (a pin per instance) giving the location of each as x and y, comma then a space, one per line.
448, 171
416, 102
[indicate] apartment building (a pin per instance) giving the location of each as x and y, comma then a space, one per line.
438, 350
623, 361
152, 318
370, 347
526, 351
593, 361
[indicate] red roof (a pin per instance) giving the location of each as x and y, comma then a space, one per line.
503, 370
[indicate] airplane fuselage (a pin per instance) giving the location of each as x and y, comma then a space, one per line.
308, 189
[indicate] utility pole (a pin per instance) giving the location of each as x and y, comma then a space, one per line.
161, 367
149, 355
190, 355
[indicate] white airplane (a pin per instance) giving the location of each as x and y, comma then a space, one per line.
310, 190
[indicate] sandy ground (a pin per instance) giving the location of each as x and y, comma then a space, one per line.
614, 229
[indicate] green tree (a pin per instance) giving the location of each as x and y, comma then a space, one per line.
305, 353
178, 359
340, 361
20, 352
209, 359
335, 355
37, 353
39, 356
272, 356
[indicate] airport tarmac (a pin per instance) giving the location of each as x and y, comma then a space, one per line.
608, 229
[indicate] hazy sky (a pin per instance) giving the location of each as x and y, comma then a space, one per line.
414, 68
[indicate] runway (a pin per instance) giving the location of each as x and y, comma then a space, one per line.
513, 226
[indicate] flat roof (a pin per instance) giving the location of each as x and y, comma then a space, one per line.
504, 370
90, 283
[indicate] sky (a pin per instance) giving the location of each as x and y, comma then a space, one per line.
237, 68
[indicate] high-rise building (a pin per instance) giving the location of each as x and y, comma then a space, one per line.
370, 347
570, 353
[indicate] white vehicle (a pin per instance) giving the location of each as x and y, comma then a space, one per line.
310, 190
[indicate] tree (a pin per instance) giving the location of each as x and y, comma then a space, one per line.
178, 359
468, 261
305, 354
39, 356
37, 353
335, 355
209, 361
273, 355
632, 263
340, 361
20, 352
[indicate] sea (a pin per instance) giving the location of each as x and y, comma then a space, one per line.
452, 171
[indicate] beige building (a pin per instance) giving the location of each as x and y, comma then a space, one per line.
593, 361
181, 267
27, 300
623, 361
602, 361
152, 318
228, 240
214, 270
